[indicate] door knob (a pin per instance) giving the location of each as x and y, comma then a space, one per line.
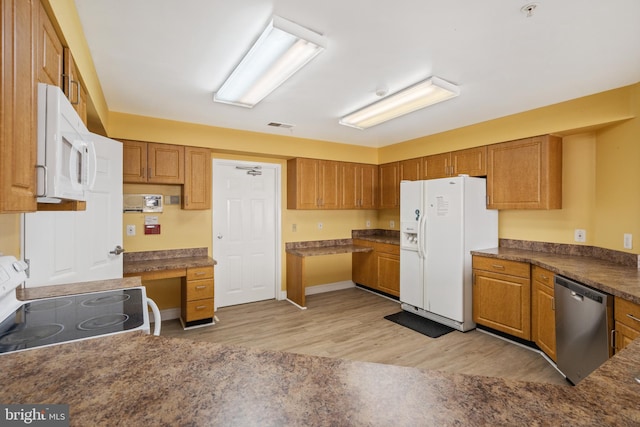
117, 251
219, 236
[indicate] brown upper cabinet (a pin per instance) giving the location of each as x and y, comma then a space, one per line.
18, 110
389, 177
49, 51
410, 170
471, 161
148, 162
197, 179
525, 174
359, 186
313, 184
72, 85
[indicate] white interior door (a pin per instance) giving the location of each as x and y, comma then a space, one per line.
69, 247
246, 203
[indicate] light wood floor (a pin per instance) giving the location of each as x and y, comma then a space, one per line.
350, 324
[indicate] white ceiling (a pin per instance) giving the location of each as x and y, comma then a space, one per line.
166, 58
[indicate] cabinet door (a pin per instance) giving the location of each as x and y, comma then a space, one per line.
49, 51
437, 166
368, 186
525, 174
197, 179
302, 184
411, 170
350, 194
543, 321
389, 185
165, 163
73, 88
624, 335
472, 162
134, 161
502, 302
363, 265
329, 184
627, 322
388, 273
19, 102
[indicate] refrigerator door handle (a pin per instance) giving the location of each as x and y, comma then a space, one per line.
421, 237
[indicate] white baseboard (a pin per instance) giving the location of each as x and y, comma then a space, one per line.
168, 314
318, 289
329, 287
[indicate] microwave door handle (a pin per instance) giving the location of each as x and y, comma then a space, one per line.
73, 162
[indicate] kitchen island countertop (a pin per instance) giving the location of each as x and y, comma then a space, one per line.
138, 379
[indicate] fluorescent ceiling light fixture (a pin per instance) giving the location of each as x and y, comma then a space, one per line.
420, 95
283, 48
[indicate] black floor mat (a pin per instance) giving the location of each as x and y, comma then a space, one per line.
419, 324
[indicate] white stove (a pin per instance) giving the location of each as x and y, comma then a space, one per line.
31, 324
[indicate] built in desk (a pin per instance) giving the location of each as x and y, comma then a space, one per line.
197, 293
298, 251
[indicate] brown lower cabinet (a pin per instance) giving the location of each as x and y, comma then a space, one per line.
197, 296
502, 295
627, 322
543, 310
378, 269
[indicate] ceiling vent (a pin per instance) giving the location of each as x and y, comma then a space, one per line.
280, 125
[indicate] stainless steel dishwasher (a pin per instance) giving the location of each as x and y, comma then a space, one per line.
583, 328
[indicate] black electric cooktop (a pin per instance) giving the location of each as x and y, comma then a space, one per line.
69, 318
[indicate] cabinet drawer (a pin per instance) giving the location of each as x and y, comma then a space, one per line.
627, 313
543, 276
198, 273
199, 289
201, 309
388, 249
512, 268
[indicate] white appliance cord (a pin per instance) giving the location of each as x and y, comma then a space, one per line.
157, 321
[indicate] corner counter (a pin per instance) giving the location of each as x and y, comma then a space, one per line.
298, 251
613, 272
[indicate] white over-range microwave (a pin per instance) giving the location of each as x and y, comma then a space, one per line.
66, 155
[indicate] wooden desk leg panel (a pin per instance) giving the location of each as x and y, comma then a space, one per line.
295, 279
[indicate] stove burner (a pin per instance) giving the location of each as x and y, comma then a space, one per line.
105, 321
109, 299
47, 305
30, 334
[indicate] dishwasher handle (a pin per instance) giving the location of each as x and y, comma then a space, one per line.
576, 296
579, 292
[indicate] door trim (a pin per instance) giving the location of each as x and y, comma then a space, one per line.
278, 292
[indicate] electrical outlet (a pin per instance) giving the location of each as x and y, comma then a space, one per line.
319, 226
294, 227
392, 224
628, 241
131, 230
580, 235
368, 223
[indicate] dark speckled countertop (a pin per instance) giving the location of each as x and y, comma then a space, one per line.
136, 379
618, 277
151, 261
341, 246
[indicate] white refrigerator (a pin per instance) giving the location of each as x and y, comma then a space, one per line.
441, 222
